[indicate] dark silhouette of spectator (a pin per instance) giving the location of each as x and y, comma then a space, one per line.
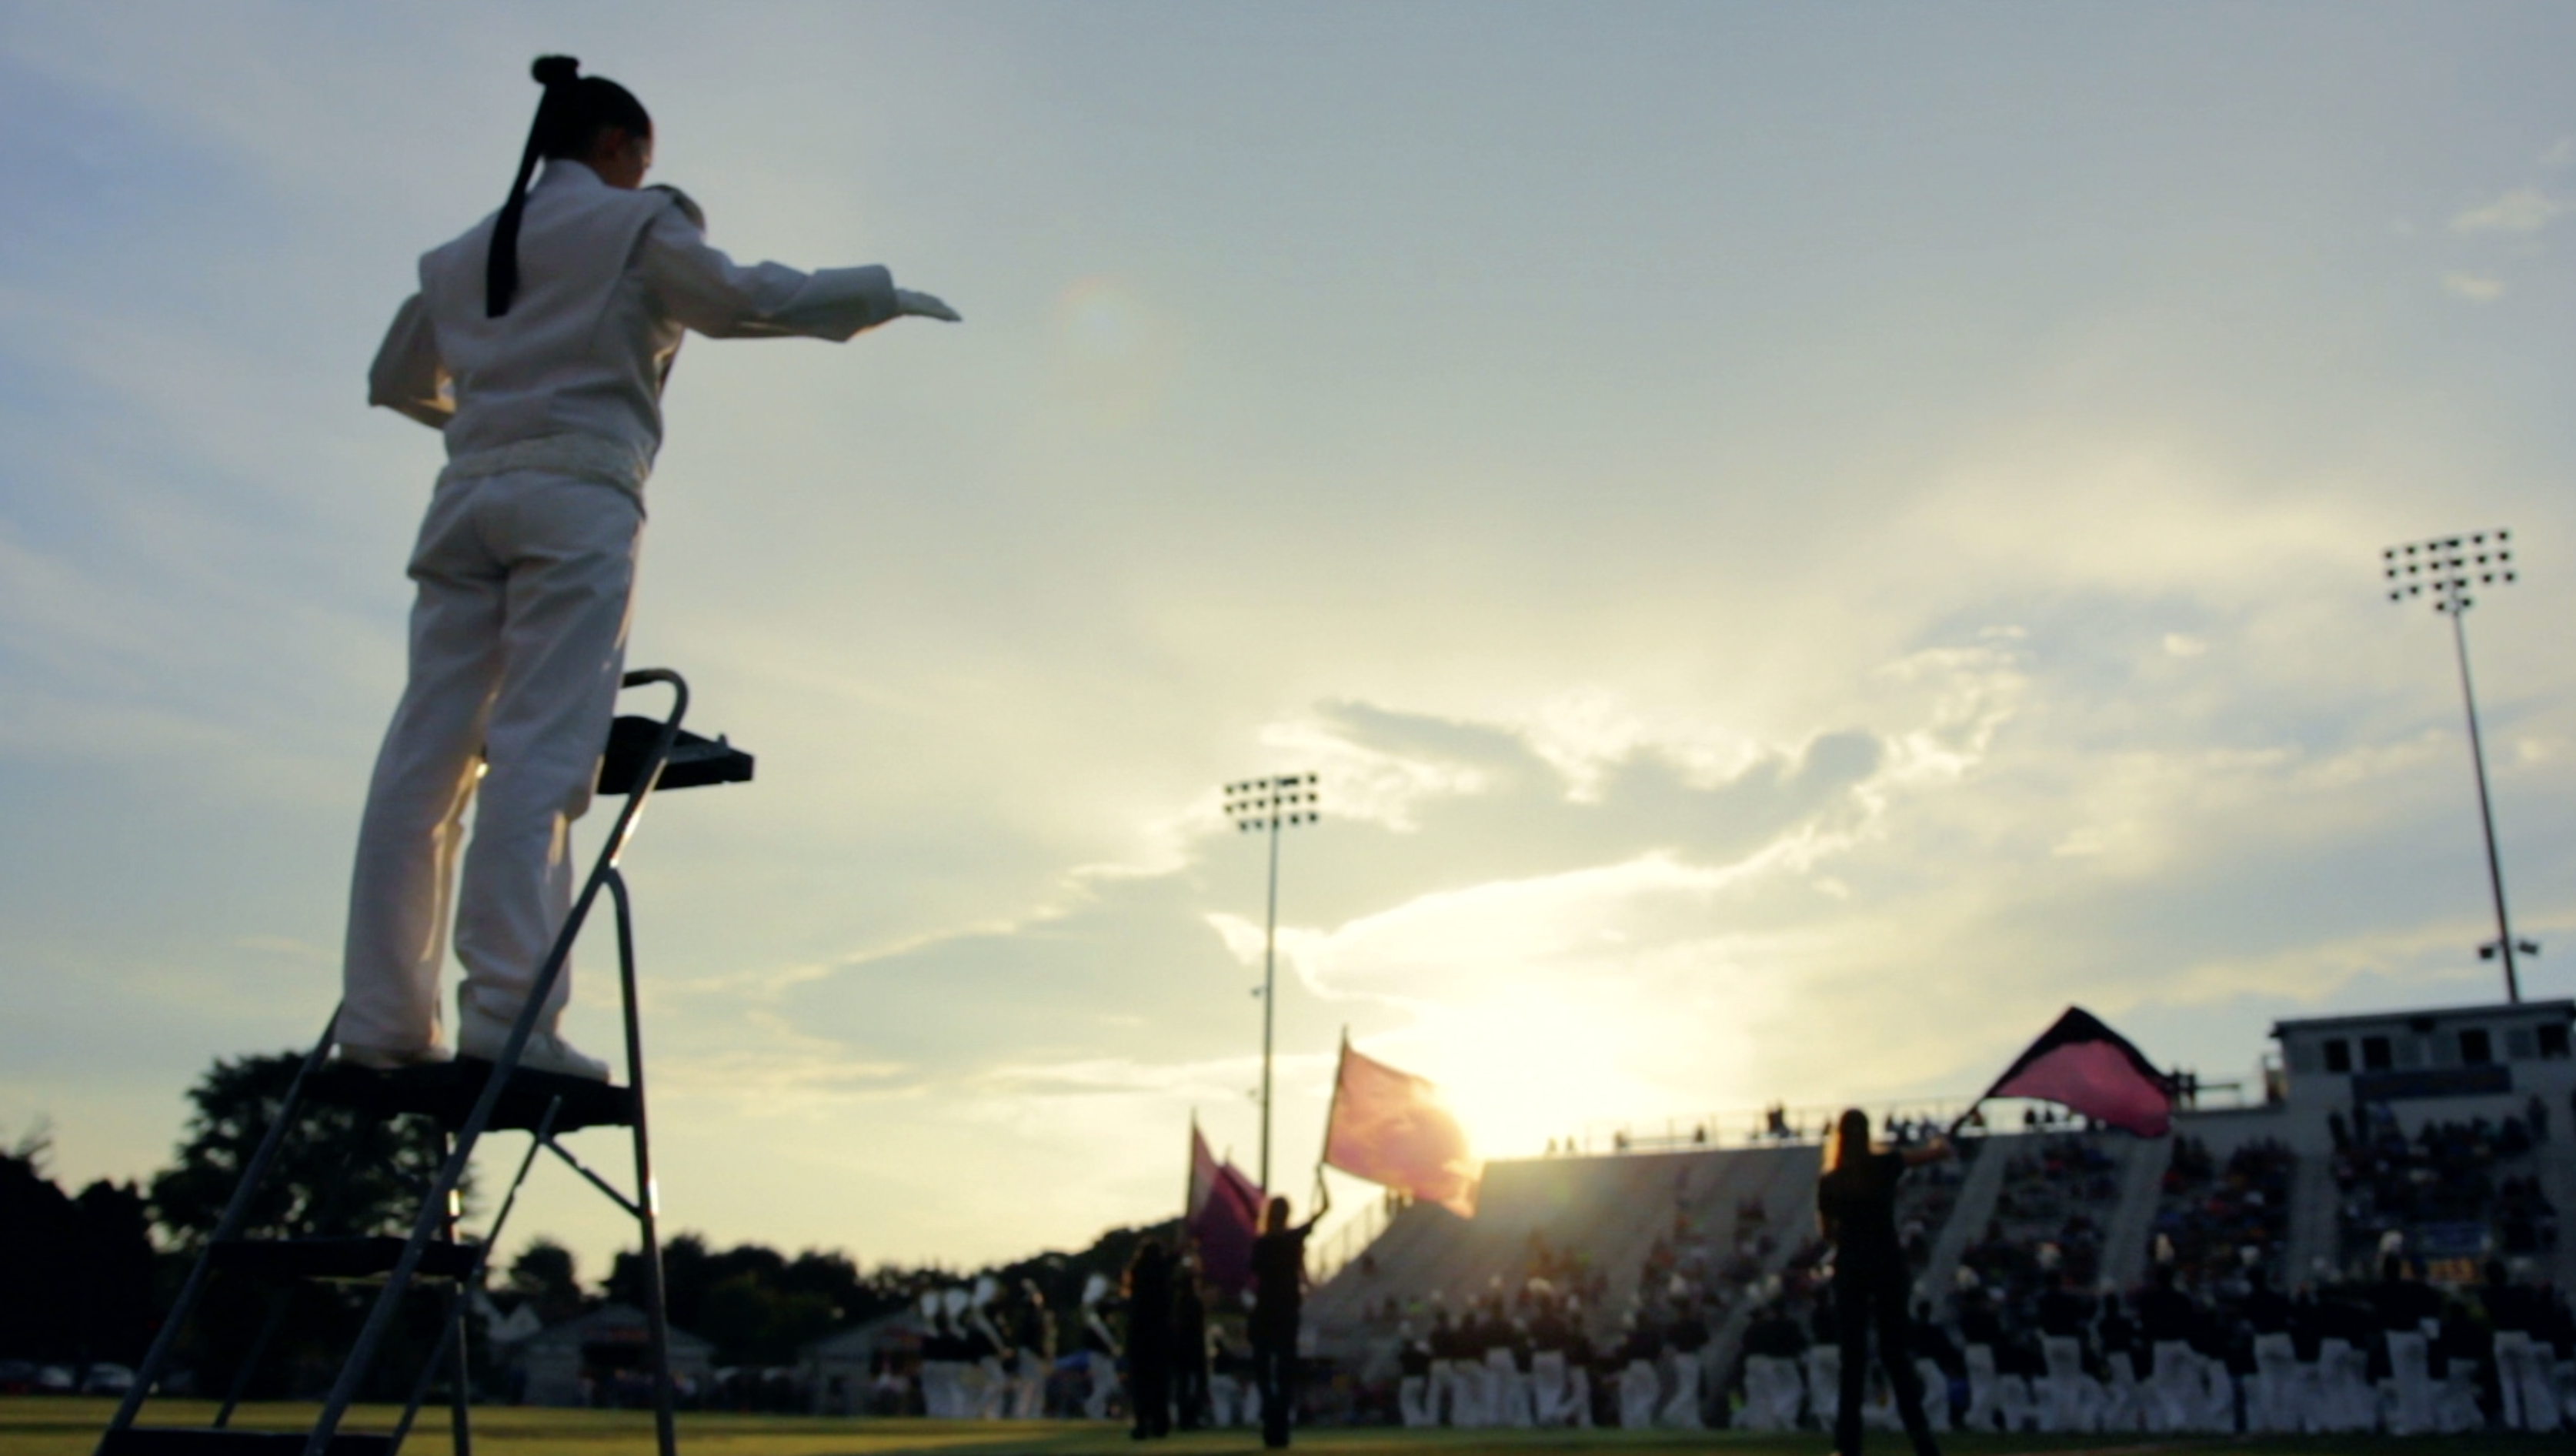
1149, 1339
2164, 1312
2062, 1310
1688, 1332
1189, 1349
1856, 1207
2116, 1333
1278, 1304
2266, 1311
2403, 1303
1978, 1322
1932, 1342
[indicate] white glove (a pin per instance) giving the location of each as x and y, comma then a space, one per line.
923, 305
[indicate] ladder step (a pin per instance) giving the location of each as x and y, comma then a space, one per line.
190, 1441
445, 1092
694, 761
349, 1258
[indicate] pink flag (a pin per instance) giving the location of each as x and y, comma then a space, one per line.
2082, 1064
1396, 1129
1223, 1216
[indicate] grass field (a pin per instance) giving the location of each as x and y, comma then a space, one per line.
53, 1426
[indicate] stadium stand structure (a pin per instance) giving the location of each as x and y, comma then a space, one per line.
1532, 1213
2447, 1137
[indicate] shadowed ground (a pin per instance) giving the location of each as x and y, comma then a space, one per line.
44, 1426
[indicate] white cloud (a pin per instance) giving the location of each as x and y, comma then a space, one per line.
1722, 636
2475, 287
2523, 210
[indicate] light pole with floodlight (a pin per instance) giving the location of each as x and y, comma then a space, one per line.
2445, 568
1274, 804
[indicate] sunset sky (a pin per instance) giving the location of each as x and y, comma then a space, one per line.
1799, 541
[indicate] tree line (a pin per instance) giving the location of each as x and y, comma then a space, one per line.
87, 1277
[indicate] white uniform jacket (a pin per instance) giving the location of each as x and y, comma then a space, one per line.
571, 377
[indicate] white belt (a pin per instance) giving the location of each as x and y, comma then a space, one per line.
583, 457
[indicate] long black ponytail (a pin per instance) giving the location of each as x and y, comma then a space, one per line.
570, 116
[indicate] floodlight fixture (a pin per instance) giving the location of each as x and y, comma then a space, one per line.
1281, 801
2448, 568
2452, 570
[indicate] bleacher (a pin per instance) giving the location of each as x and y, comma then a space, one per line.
2446, 1190
2060, 1189
2260, 1229
1612, 1211
2221, 1220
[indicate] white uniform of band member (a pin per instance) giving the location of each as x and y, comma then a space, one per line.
993, 1387
1100, 1350
545, 376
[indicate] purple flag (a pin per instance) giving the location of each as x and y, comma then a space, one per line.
1223, 1216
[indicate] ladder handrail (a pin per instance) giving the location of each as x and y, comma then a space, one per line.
473, 1280
648, 1195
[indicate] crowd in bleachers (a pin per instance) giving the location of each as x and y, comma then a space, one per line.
1733, 1323
2233, 1353
2230, 1353
2217, 1221
2046, 1221
2454, 1189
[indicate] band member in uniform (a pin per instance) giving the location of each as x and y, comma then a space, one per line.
1099, 1350
538, 345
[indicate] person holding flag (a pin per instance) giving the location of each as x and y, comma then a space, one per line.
1856, 1207
1278, 1305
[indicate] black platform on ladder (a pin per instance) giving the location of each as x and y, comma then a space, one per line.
464, 1100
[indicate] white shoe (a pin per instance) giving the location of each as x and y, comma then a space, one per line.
380, 1059
484, 1036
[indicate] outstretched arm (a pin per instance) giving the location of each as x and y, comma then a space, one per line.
712, 294
1931, 1152
1323, 1202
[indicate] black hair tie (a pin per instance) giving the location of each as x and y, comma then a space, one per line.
558, 74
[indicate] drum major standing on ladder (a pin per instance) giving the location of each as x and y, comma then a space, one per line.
538, 344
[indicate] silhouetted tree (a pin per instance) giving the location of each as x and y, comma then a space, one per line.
544, 1274
340, 1171
75, 1273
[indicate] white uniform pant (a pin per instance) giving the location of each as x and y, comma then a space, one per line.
1103, 1370
518, 637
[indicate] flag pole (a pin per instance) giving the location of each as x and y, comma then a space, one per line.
1332, 1108
1962, 1121
1979, 1101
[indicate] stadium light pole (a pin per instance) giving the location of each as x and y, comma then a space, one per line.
2445, 568
1273, 804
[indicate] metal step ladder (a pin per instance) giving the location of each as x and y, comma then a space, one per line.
463, 1100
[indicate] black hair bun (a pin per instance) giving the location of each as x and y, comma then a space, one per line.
555, 70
